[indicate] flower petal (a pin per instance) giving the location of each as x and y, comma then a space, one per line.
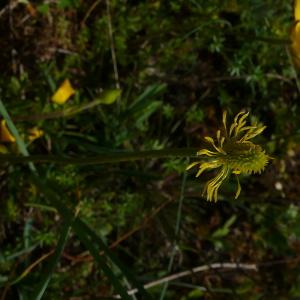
193, 165
252, 133
297, 10
64, 92
224, 119
213, 185
212, 142
207, 165
6, 136
206, 152
238, 188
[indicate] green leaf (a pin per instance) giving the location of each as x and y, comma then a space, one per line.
224, 230
89, 243
144, 99
43, 8
87, 235
41, 288
15, 132
146, 113
68, 3
195, 294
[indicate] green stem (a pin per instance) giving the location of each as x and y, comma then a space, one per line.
270, 40
69, 112
100, 159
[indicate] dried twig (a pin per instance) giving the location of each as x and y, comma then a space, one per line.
95, 4
248, 267
9, 7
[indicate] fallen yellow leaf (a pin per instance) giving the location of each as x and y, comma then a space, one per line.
5, 135
64, 92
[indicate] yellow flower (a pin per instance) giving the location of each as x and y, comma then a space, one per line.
64, 92
295, 34
34, 133
5, 135
297, 10
232, 153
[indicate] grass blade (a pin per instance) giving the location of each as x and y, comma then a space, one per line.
113, 157
143, 100
15, 132
177, 228
83, 229
89, 244
113, 258
42, 286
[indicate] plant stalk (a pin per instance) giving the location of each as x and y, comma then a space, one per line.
100, 159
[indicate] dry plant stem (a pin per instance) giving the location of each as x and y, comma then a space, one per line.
9, 7
7, 285
248, 267
11, 37
245, 77
94, 5
33, 265
25, 273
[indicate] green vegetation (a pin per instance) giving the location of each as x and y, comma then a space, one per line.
95, 197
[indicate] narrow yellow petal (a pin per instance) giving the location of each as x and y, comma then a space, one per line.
222, 141
224, 121
233, 125
297, 10
213, 185
206, 152
215, 194
193, 165
218, 136
200, 171
207, 165
212, 142
241, 123
247, 128
64, 92
238, 128
5, 135
238, 188
236, 172
238, 115
243, 117
252, 133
